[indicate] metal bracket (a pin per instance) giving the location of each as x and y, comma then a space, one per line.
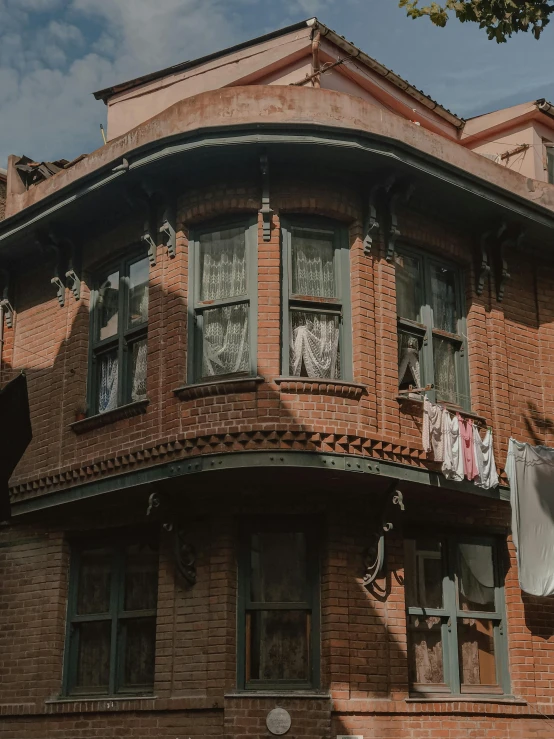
265, 210
183, 552
375, 553
168, 230
401, 192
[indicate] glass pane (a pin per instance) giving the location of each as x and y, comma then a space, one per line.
108, 373
314, 345
444, 355
141, 577
108, 306
443, 298
225, 347
313, 268
94, 581
140, 651
476, 652
137, 307
425, 650
409, 368
408, 285
278, 568
423, 573
93, 656
138, 369
223, 264
278, 645
476, 577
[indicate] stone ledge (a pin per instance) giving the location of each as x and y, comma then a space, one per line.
228, 386
103, 419
418, 403
306, 385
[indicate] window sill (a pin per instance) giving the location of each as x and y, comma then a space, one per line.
466, 698
412, 399
310, 386
218, 387
103, 419
101, 699
309, 694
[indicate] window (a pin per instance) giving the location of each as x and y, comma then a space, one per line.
278, 607
456, 622
112, 618
431, 327
550, 162
119, 329
316, 300
224, 288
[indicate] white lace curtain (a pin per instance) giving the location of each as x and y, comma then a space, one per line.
313, 270
140, 352
225, 348
223, 264
107, 392
477, 573
314, 345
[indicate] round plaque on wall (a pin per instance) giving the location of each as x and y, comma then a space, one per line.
278, 721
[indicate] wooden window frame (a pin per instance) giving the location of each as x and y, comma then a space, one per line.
122, 340
340, 305
549, 163
116, 615
245, 606
451, 613
425, 331
197, 307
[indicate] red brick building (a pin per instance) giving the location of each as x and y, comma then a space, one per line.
212, 310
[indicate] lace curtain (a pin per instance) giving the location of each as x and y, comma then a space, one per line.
314, 345
109, 374
443, 297
140, 352
223, 264
313, 270
225, 347
477, 574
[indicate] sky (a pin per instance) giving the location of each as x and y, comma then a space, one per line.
55, 53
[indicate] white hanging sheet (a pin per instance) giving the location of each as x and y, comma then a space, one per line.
530, 471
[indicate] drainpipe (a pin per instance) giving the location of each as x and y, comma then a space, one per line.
316, 41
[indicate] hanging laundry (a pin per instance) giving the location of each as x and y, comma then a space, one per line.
433, 429
487, 476
468, 453
530, 471
453, 465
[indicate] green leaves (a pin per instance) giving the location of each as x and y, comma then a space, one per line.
499, 18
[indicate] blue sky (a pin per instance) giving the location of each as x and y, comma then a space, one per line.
55, 53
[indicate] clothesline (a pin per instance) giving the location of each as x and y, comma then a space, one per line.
428, 388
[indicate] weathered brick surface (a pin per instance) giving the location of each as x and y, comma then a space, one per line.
2, 197
363, 635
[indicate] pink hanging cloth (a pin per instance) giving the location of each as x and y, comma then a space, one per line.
468, 450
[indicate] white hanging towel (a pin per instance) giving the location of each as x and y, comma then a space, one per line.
484, 456
453, 465
432, 435
530, 471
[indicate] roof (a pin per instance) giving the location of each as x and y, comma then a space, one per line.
334, 37
3, 174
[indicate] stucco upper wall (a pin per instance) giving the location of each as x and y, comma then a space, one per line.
286, 106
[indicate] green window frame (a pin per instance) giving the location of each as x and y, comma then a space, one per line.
259, 659
456, 617
550, 163
111, 633
198, 307
126, 342
423, 330
298, 307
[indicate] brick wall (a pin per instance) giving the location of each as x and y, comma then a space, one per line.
2, 197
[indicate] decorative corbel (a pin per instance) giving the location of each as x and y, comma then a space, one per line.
511, 239
372, 222
183, 552
375, 553
5, 301
168, 230
141, 199
265, 210
74, 271
49, 241
484, 266
400, 192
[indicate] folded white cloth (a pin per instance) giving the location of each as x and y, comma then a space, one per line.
484, 456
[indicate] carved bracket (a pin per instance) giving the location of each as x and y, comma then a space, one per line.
375, 554
141, 199
372, 221
183, 552
74, 271
265, 210
484, 266
52, 243
167, 229
401, 192
5, 301
512, 239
